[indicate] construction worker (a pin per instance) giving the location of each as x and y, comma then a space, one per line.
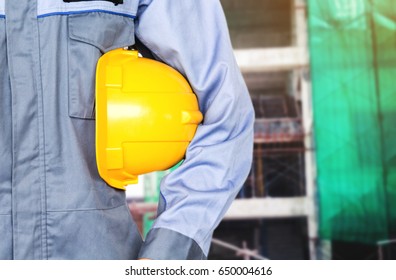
53, 203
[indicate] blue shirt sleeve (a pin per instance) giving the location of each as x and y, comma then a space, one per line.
192, 36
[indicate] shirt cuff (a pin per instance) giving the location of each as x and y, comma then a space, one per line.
166, 244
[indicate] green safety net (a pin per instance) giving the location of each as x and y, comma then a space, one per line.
353, 64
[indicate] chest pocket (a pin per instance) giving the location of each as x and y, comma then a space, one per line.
92, 34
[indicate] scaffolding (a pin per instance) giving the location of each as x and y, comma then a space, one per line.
283, 125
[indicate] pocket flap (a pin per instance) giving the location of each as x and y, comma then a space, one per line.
103, 30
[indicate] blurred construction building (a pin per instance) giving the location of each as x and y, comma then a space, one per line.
274, 214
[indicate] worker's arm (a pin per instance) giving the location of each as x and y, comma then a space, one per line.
192, 36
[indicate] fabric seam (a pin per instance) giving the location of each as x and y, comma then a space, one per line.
85, 210
41, 136
63, 13
96, 5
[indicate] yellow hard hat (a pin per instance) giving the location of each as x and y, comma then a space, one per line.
146, 115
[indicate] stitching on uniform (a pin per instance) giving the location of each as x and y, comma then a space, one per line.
85, 11
41, 140
70, 7
127, 10
85, 210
